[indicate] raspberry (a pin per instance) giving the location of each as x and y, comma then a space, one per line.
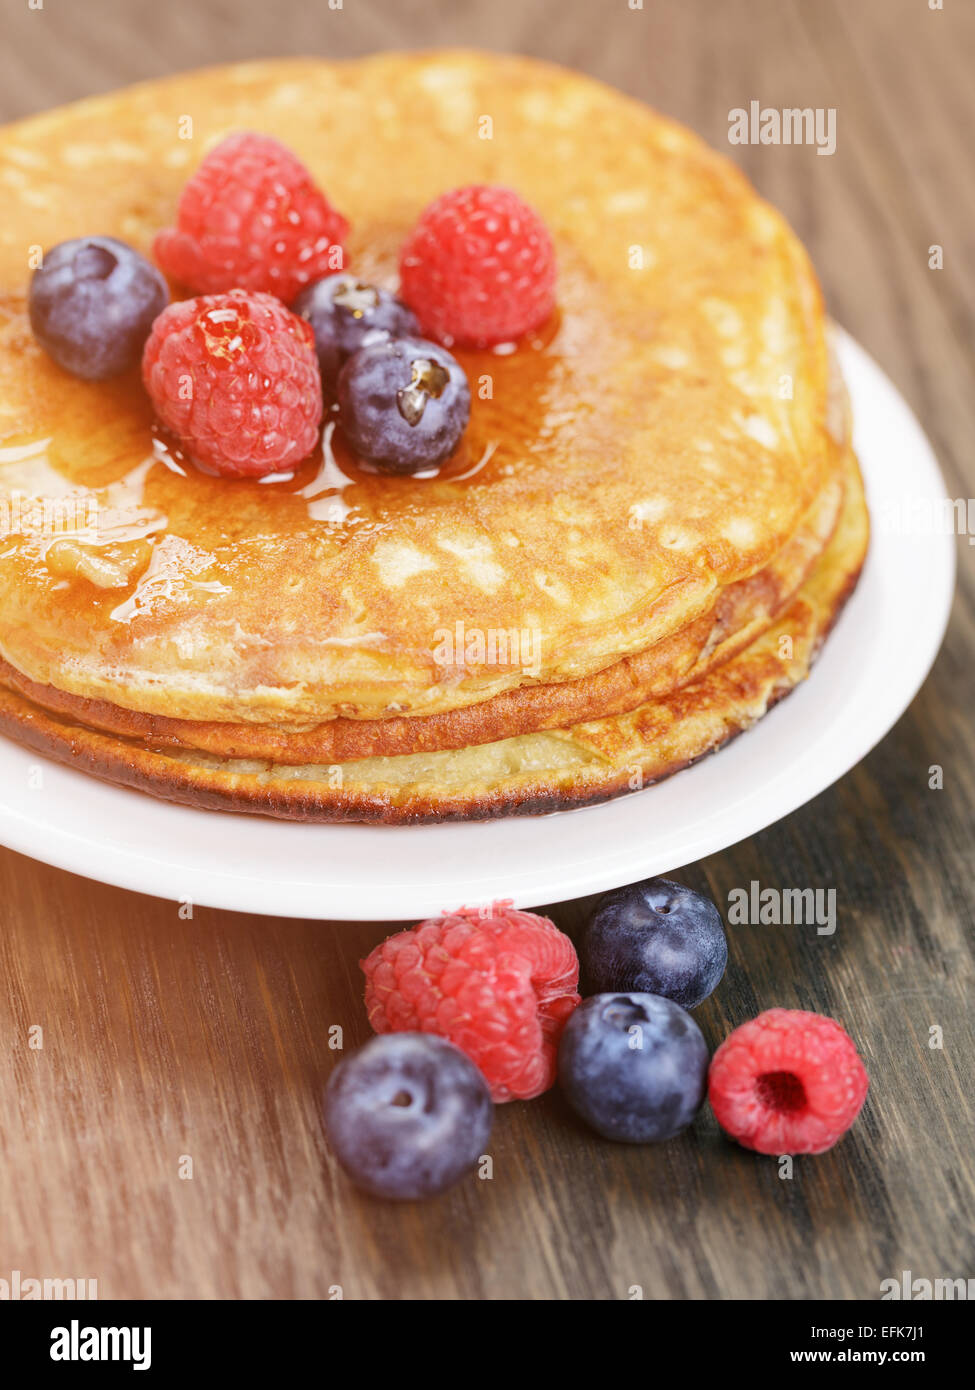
497, 983
252, 217
235, 378
788, 1082
479, 268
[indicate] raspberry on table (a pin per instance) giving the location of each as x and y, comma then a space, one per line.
498, 983
251, 216
787, 1082
479, 268
235, 378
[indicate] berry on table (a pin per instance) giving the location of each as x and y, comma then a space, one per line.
479, 268
235, 378
656, 937
407, 1115
633, 1066
787, 1082
403, 404
92, 303
251, 216
497, 982
345, 315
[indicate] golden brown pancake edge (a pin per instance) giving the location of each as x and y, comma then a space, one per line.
643, 746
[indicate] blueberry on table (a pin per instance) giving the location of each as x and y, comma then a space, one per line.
403, 404
345, 315
633, 1066
92, 303
657, 937
407, 1115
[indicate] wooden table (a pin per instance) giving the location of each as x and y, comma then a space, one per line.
165, 1037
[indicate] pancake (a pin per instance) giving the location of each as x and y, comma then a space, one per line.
743, 611
654, 492
661, 442
528, 774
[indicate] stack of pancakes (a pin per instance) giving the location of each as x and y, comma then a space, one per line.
652, 522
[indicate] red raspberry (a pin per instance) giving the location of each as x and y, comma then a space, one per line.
251, 216
788, 1082
235, 378
479, 268
498, 983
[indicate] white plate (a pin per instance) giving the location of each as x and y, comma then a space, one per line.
870, 669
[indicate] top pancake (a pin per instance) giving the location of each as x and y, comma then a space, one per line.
663, 438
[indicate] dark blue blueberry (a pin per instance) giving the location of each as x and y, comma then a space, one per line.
345, 315
403, 404
92, 303
407, 1115
657, 937
633, 1066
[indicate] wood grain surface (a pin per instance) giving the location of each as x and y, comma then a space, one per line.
208, 1038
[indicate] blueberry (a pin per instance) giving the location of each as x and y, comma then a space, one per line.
345, 315
657, 937
407, 1115
403, 404
92, 303
633, 1066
